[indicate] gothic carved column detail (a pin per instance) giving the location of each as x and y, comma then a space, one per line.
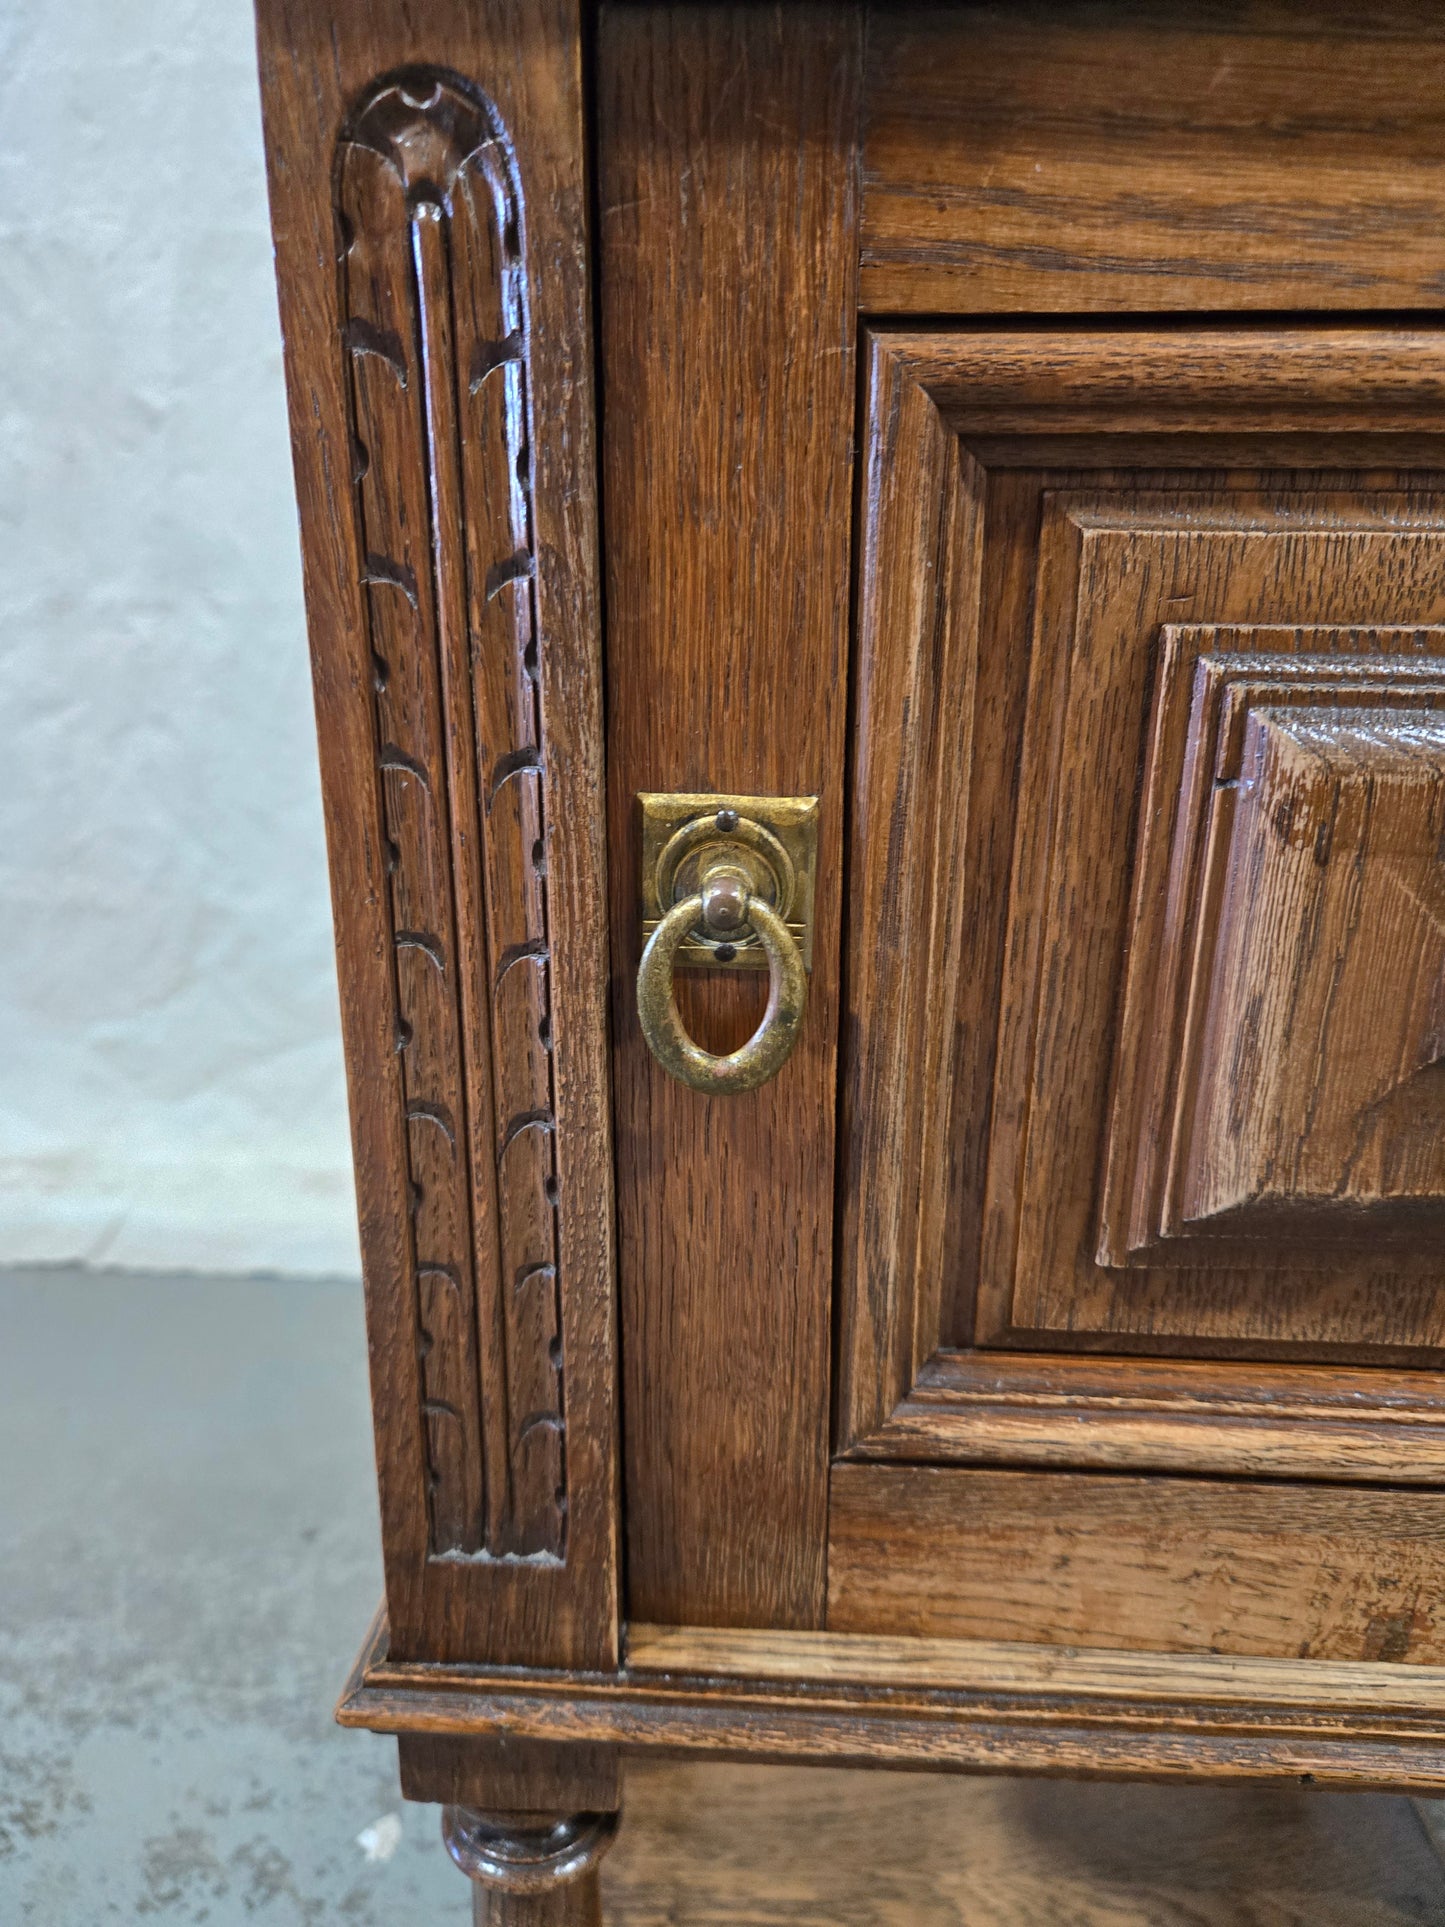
434, 300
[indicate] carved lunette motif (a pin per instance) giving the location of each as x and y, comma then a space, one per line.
434, 307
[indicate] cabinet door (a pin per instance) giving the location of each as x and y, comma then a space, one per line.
1076, 1278
1146, 992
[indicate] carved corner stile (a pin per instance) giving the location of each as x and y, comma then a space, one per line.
434, 305
428, 172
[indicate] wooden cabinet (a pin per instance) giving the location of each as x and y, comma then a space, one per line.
1019, 429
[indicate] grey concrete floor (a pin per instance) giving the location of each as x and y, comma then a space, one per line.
188, 1559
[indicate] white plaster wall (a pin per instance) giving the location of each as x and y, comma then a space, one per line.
170, 1073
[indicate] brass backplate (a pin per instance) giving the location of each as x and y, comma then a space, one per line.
773, 838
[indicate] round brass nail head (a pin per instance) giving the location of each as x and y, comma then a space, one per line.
725, 896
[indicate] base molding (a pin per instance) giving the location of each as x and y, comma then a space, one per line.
967, 1706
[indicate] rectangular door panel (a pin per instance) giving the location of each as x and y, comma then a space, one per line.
1267, 1100
1306, 1248
1146, 963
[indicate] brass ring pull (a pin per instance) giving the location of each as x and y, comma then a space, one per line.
766, 1051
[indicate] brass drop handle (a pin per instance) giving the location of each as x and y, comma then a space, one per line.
725, 905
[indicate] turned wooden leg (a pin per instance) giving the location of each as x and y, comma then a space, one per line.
531, 1869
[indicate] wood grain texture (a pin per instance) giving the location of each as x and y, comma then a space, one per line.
1114, 569
508, 1776
1176, 1725
997, 1666
1274, 1086
1166, 1565
911, 940
728, 253
579, 1904
576, 1905
454, 331
1131, 156
1137, 379
781, 1847
1331, 929
1169, 1415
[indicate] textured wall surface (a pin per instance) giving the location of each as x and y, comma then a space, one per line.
170, 1074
